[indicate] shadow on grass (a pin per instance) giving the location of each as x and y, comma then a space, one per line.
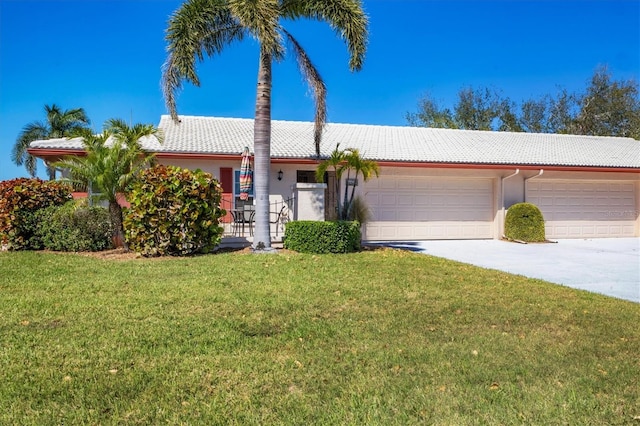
402, 245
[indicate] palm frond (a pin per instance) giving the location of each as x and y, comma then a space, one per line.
315, 82
31, 132
346, 17
62, 123
196, 29
360, 211
261, 18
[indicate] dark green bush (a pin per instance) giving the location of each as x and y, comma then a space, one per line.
308, 236
524, 222
20, 199
173, 212
72, 227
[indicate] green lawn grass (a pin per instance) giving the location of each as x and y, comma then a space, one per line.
378, 337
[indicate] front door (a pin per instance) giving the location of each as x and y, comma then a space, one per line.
226, 181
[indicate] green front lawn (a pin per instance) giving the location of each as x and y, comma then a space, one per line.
378, 337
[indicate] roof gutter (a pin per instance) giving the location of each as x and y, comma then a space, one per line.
526, 182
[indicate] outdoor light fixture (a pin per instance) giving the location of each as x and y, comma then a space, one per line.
280, 175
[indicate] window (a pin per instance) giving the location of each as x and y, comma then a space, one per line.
305, 176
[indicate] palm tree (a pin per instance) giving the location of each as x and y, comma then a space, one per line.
360, 166
347, 161
111, 163
59, 124
206, 27
336, 162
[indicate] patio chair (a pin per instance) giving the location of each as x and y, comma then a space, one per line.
238, 222
248, 217
281, 218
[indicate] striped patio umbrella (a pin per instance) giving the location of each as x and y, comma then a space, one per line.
246, 174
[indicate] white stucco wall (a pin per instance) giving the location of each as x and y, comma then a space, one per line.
514, 187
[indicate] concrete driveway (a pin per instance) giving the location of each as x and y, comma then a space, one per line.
609, 266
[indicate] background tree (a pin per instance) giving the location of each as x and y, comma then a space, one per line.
506, 116
58, 124
609, 108
430, 114
562, 110
202, 27
534, 117
476, 109
112, 160
605, 108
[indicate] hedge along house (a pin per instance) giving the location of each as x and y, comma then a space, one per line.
433, 183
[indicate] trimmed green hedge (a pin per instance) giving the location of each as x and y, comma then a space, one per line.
308, 236
524, 222
73, 227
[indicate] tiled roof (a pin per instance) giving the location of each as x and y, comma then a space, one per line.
291, 139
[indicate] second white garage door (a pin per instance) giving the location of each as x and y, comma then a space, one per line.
585, 209
428, 208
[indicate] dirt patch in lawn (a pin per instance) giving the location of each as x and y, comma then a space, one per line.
114, 254
121, 254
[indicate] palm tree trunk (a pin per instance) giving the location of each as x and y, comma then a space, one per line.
345, 204
353, 193
115, 212
339, 205
51, 171
262, 152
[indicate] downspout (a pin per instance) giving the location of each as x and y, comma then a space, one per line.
504, 212
526, 181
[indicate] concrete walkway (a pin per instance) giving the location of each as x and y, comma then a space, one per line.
609, 266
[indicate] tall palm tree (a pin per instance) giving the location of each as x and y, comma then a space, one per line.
112, 161
58, 124
206, 27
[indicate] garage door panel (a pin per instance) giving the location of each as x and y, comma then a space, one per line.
421, 201
434, 208
386, 215
388, 183
427, 230
404, 200
602, 201
388, 199
586, 209
404, 184
403, 215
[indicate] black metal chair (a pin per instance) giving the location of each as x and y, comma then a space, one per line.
281, 218
238, 222
248, 217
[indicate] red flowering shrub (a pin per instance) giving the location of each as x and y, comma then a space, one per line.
20, 199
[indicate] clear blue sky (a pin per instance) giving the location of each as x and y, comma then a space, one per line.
106, 57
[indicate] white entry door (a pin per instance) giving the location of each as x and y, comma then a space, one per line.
428, 208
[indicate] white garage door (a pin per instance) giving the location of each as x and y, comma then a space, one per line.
585, 209
429, 208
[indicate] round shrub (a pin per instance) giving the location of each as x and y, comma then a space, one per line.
524, 222
308, 236
20, 199
173, 212
73, 227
